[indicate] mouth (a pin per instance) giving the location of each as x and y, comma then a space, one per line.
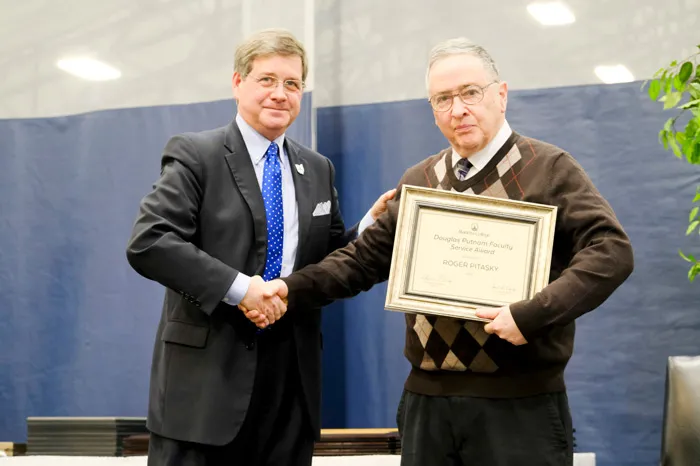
464, 128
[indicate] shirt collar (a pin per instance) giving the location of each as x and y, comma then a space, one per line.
481, 158
256, 143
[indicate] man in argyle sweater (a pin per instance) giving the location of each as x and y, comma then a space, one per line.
489, 394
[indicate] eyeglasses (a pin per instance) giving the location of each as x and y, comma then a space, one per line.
291, 86
469, 95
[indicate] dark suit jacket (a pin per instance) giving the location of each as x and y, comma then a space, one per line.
203, 223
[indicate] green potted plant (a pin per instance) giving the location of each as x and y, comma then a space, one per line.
678, 88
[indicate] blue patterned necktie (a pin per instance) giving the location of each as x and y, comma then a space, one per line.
463, 167
274, 212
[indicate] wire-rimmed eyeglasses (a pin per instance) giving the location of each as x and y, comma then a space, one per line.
470, 95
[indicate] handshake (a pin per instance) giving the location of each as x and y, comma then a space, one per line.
265, 302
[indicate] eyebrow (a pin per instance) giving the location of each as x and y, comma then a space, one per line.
275, 75
461, 86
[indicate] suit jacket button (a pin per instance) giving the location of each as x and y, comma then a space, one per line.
250, 346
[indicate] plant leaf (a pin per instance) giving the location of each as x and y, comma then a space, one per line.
687, 149
692, 227
672, 100
696, 198
693, 152
685, 258
693, 214
694, 90
685, 72
693, 272
669, 124
692, 103
654, 90
678, 84
674, 147
691, 128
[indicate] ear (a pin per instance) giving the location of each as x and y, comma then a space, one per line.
503, 96
235, 83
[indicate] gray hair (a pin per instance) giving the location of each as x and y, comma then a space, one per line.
266, 43
461, 46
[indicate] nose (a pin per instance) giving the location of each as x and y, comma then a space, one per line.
278, 92
459, 108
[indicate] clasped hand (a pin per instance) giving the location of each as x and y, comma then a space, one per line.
502, 324
265, 302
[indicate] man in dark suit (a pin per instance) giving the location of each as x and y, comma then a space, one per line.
234, 207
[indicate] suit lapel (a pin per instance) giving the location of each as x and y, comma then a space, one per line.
302, 188
244, 175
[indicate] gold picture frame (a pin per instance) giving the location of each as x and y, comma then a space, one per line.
456, 252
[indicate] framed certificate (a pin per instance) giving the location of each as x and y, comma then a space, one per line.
455, 252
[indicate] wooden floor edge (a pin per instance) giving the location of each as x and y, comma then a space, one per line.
359, 431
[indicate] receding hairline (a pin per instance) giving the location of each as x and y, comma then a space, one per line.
461, 46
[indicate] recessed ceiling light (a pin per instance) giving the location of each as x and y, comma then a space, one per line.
88, 69
614, 74
551, 13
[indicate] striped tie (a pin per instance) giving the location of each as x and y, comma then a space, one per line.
463, 167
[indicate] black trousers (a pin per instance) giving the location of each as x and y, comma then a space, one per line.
276, 430
465, 431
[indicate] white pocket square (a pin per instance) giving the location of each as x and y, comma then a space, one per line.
322, 208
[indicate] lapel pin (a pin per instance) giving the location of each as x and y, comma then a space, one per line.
300, 168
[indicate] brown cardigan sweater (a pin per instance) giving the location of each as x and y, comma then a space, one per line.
592, 256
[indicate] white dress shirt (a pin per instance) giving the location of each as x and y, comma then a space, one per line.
257, 146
